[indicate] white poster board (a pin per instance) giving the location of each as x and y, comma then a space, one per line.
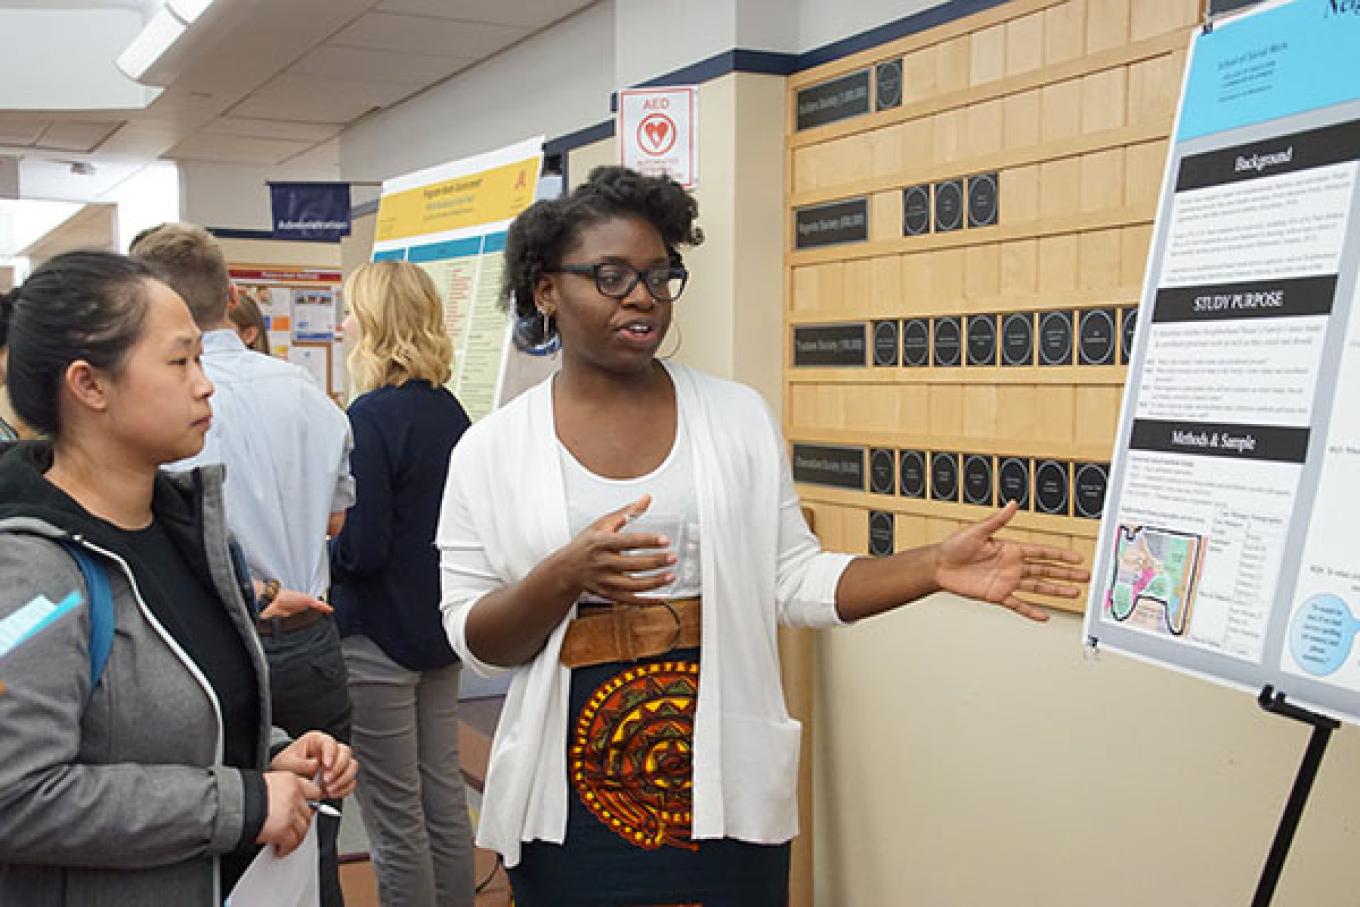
1224, 550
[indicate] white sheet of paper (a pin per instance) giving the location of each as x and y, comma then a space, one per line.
274, 881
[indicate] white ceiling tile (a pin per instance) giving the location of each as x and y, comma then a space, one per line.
272, 129
426, 35
76, 135
292, 86
417, 70
327, 109
236, 149
532, 14
19, 129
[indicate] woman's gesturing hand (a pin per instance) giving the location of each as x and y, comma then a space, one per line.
605, 560
290, 810
972, 562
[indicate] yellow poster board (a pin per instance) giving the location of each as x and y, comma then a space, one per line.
451, 220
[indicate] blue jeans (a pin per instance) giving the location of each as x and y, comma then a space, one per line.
308, 692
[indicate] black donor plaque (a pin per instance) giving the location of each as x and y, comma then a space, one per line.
1017, 339
916, 342
820, 464
916, 210
888, 84
983, 200
1096, 337
982, 340
944, 477
911, 474
1012, 481
948, 206
1050, 487
1128, 327
1088, 489
1055, 338
829, 344
977, 480
829, 225
882, 471
885, 343
838, 99
948, 341
880, 533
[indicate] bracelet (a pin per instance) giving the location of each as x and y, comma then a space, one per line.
266, 598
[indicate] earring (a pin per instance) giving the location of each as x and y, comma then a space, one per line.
679, 341
545, 324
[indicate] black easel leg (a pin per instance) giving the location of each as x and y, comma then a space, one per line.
1298, 797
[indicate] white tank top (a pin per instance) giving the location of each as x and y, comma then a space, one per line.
674, 511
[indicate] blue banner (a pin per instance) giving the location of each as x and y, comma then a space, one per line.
311, 211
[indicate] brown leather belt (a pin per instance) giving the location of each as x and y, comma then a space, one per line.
274, 626
618, 632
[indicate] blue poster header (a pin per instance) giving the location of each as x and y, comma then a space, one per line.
1282, 60
311, 211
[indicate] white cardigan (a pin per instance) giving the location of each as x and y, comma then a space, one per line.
504, 511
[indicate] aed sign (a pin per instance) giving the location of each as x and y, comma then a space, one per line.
658, 132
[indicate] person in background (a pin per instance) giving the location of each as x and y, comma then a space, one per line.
403, 676
286, 449
248, 321
645, 754
151, 778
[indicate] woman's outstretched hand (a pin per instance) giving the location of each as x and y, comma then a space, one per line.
973, 563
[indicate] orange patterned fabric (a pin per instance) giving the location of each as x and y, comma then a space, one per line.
630, 756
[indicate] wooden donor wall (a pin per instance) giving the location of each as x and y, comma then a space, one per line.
969, 211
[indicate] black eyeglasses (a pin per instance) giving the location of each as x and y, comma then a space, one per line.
616, 280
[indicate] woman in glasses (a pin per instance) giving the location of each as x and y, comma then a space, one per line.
626, 537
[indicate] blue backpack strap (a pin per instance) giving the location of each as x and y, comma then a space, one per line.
99, 595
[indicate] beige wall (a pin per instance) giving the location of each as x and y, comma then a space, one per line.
965, 757
281, 253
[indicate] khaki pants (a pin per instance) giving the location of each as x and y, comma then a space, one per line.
405, 736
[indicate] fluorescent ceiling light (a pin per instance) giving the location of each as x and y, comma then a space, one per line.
154, 40
188, 11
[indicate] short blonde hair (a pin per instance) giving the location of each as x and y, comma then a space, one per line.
402, 336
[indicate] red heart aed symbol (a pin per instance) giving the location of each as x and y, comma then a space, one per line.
657, 130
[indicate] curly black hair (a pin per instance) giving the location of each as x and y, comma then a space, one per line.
543, 232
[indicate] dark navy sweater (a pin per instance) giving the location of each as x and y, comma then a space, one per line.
384, 566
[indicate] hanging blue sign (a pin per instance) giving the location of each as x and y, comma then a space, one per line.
312, 211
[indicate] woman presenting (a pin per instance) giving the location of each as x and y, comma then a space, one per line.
626, 536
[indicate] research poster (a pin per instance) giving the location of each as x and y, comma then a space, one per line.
300, 306
1227, 548
451, 220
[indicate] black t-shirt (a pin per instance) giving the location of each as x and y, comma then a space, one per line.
193, 614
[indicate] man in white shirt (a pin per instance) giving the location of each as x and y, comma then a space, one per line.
286, 448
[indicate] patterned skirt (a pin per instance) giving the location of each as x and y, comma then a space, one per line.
629, 743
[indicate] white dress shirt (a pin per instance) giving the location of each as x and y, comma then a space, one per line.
286, 448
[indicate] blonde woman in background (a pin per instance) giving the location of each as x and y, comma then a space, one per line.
248, 320
403, 676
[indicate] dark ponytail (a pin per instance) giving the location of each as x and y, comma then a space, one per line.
87, 306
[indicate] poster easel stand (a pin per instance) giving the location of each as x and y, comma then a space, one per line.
1274, 702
